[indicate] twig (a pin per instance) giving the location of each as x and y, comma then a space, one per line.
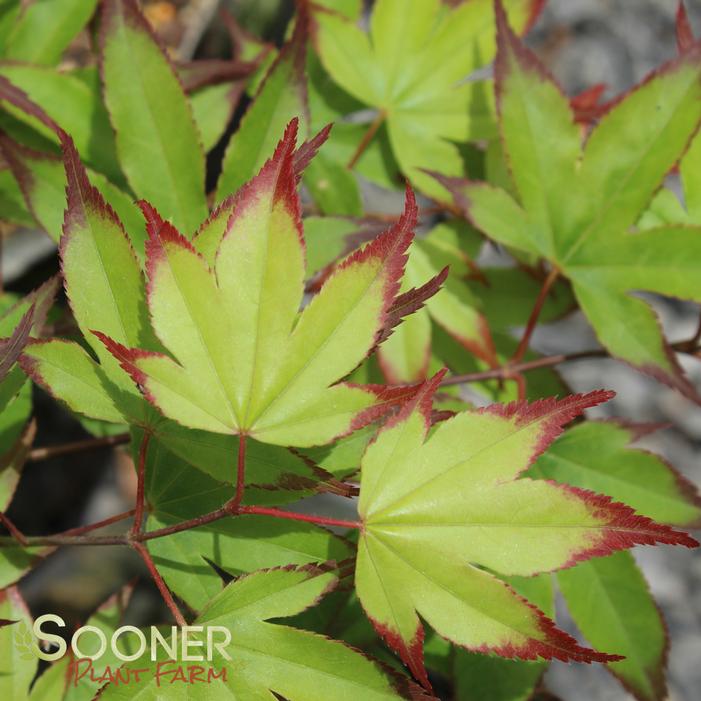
196, 522
137, 526
14, 531
508, 372
165, 592
80, 530
72, 538
52, 451
367, 138
535, 313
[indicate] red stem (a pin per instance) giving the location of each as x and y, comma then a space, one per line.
52, 451
203, 520
99, 524
165, 592
240, 474
14, 531
294, 516
367, 138
533, 319
137, 526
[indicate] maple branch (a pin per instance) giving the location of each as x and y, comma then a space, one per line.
74, 538
79, 530
203, 520
137, 526
508, 372
533, 318
165, 592
367, 138
52, 451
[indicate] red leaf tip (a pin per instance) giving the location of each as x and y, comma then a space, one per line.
556, 644
622, 527
685, 34
421, 401
554, 413
124, 356
412, 654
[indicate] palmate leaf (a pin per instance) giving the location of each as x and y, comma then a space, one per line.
575, 205
244, 361
439, 513
271, 660
95, 249
412, 67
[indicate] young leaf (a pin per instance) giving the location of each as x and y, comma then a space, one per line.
157, 140
45, 28
438, 514
245, 362
411, 68
597, 456
611, 604
586, 237
280, 98
272, 658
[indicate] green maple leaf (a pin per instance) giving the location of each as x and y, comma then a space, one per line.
244, 360
271, 660
575, 204
412, 67
611, 604
440, 514
106, 289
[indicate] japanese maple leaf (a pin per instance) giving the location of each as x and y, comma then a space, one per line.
413, 67
575, 204
243, 359
441, 513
